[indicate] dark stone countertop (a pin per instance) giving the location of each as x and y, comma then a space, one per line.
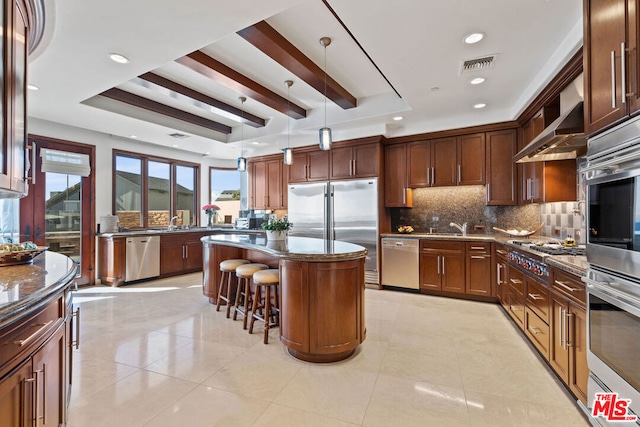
293, 248
25, 286
164, 231
576, 265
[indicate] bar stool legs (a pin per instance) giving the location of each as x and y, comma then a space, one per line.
225, 289
262, 308
244, 295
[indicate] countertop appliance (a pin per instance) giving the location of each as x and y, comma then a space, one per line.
142, 258
401, 263
338, 210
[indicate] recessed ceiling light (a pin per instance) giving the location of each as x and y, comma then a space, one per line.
473, 38
207, 153
256, 142
477, 80
480, 105
133, 136
435, 89
398, 118
120, 59
174, 145
32, 87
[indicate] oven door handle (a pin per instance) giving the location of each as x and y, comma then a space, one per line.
605, 291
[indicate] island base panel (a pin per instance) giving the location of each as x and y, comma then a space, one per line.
320, 358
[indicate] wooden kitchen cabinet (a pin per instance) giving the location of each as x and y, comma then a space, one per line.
419, 164
396, 190
478, 269
444, 162
442, 266
536, 325
610, 41
266, 184
309, 166
180, 253
471, 159
355, 161
501, 173
15, 39
568, 325
501, 272
514, 295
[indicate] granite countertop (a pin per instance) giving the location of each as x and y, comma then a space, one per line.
24, 286
441, 236
570, 263
161, 231
293, 248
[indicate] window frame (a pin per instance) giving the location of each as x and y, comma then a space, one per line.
144, 184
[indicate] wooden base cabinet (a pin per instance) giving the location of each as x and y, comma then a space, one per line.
501, 272
442, 266
478, 269
180, 253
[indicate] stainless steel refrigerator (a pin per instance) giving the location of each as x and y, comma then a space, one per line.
338, 210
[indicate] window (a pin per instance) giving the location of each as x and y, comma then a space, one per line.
149, 191
228, 191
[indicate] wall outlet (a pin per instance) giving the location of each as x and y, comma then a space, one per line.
435, 218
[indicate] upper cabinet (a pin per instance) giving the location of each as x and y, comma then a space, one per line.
397, 193
470, 159
501, 171
267, 188
19, 21
611, 62
309, 166
355, 161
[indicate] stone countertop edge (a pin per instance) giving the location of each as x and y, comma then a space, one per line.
46, 283
576, 265
163, 232
294, 248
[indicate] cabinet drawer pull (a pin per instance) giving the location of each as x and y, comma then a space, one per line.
76, 314
477, 257
535, 297
613, 79
516, 281
623, 74
33, 335
565, 286
535, 331
514, 309
501, 252
477, 248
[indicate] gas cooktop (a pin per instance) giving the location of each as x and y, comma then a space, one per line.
551, 248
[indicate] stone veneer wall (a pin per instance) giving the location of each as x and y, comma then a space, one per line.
439, 206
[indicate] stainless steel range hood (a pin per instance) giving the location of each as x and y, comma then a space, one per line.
562, 139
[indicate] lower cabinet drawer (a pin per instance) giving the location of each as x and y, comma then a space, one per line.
515, 307
537, 331
538, 298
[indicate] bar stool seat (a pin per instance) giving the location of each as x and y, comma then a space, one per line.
267, 279
225, 288
244, 295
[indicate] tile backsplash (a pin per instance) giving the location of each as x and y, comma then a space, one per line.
439, 206
563, 219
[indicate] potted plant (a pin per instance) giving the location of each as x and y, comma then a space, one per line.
277, 228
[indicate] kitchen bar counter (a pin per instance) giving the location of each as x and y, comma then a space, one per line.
321, 289
27, 286
164, 231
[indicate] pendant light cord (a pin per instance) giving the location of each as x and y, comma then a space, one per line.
242, 130
288, 115
325, 86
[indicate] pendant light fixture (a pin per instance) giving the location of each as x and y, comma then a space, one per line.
325, 132
288, 152
242, 160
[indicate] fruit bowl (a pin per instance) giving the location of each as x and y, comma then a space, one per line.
20, 257
519, 233
405, 229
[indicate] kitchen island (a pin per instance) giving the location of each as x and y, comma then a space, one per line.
321, 289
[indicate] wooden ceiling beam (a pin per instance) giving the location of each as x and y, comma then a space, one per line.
264, 37
215, 70
223, 108
156, 107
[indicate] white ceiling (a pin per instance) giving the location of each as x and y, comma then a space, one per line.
417, 44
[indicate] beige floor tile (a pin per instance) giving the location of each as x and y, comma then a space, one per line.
210, 407
130, 402
281, 416
422, 367
91, 375
405, 402
330, 391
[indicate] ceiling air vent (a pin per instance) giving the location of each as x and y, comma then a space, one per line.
179, 135
478, 64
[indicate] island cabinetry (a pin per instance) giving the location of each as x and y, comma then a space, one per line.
309, 166
180, 253
396, 189
442, 266
311, 294
478, 269
33, 355
611, 61
515, 296
355, 161
568, 349
501, 171
536, 325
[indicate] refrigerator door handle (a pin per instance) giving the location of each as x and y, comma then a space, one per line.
331, 233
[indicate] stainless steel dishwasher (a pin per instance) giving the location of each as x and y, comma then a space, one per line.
143, 258
401, 262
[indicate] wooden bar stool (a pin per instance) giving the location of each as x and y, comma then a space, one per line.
266, 279
244, 295
225, 290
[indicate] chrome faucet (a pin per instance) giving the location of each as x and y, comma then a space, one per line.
172, 225
462, 228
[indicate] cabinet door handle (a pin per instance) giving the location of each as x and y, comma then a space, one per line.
433, 176
443, 265
499, 270
438, 262
33, 148
560, 329
564, 285
613, 79
22, 343
33, 408
308, 172
76, 314
535, 331
568, 329
564, 329
428, 177
623, 73
459, 175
